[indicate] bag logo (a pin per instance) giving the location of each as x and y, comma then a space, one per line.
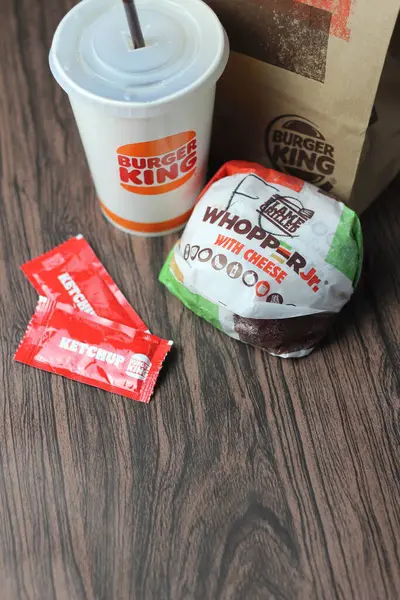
295, 146
159, 166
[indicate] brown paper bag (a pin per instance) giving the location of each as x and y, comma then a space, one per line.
299, 90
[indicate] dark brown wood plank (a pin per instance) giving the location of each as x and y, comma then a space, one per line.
246, 477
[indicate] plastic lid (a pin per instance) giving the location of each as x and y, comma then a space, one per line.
92, 53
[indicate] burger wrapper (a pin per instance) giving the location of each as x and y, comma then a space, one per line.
266, 258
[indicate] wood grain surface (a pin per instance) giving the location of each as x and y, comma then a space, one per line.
247, 477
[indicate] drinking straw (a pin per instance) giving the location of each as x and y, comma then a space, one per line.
134, 24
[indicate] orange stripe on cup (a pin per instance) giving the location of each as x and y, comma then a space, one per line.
136, 227
158, 166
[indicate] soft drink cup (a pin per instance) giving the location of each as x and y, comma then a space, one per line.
144, 115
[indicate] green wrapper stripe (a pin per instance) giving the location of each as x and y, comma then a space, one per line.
199, 305
346, 251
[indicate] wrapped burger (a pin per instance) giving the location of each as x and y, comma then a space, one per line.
266, 258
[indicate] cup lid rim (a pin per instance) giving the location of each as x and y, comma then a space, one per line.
128, 107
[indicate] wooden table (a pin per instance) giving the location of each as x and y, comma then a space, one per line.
247, 477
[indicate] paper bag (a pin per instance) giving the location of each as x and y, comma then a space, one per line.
299, 91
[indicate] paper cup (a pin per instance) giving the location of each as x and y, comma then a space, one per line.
144, 115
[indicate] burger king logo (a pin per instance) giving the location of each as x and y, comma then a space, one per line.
296, 146
159, 166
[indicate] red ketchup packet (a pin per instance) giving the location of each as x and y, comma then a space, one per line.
72, 273
93, 350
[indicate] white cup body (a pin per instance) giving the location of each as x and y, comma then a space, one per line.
177, 169
144, 115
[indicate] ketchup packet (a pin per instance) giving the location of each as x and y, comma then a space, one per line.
93, 350
72, 273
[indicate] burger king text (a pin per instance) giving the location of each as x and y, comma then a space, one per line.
159, 166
